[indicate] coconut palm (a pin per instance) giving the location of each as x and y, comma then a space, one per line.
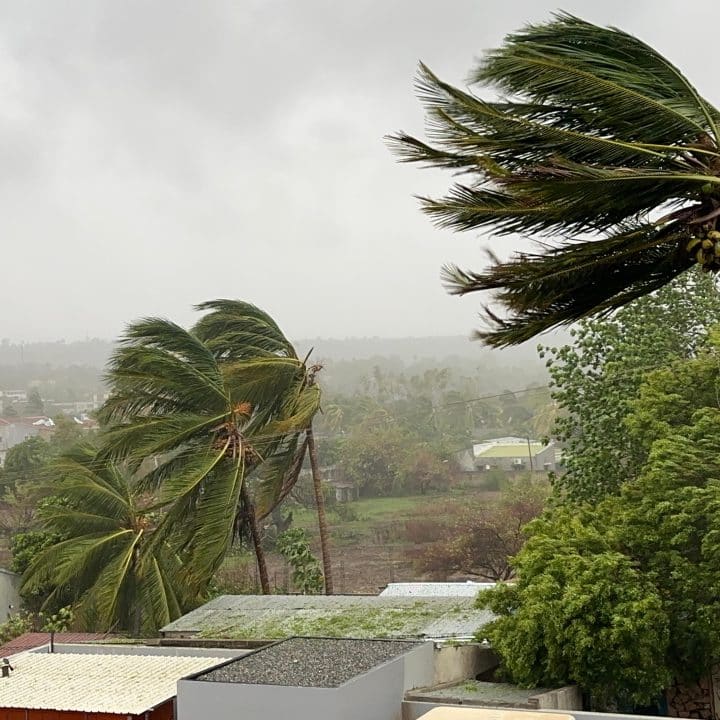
240, 334
597, 141
206, 425
110, 563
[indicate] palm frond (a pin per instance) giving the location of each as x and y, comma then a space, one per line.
569, 282
238, 330
595, 133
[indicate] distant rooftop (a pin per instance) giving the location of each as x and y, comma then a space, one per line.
265, 617
117, 684
507, 447
309, 662
30, 640
435, 589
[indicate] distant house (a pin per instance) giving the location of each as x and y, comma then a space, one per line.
9, 594
509, 454
14, 430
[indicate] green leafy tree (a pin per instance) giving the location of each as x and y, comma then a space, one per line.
25, 464
35, 404
621, 596
595, 380
111, 564
597, 140
307, 577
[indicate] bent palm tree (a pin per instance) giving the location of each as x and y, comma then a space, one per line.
111, 564
597, 139
239, 334
207, 425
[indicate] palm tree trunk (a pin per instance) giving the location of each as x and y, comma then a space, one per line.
255, 537
320, 505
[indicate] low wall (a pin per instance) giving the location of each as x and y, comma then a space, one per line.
412, 710
564, 698
454, 663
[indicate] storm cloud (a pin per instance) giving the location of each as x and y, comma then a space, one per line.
155, 154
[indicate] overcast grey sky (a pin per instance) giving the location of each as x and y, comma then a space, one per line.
154, 154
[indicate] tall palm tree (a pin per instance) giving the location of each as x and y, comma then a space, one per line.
208, 425
111, 565
239, 333
598, 141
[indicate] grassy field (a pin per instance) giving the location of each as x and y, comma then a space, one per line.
374, 540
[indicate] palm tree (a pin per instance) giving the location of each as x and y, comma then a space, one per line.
207, 425
596, 140
241, 334
110, 563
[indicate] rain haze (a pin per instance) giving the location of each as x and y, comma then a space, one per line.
157, 154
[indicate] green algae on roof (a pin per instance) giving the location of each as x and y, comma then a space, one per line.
277, 616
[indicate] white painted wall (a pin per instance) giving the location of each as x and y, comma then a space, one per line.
375, 695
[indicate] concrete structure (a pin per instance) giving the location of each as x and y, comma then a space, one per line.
513, 454
376, 694
429, 711
98, 686
445, 713
500, 695
268, 617
469, 588
9, 594
457, 663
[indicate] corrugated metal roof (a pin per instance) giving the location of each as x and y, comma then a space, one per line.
30, 640
265, 617
121, 684
435, 589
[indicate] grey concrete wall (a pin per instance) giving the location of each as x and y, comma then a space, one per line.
462, 662
565, 698
412, 710
9, 595
419, 666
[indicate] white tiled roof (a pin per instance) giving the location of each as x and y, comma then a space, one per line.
122, 684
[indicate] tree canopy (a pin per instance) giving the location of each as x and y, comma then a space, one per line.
622, 595
596, 379
598, 142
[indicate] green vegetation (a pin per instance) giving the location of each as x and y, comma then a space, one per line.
619, 593
599, 141
596, 379
358, 621
107, 560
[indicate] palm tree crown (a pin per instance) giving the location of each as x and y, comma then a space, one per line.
597, 141
110, 562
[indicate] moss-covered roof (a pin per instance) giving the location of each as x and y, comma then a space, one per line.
258, 617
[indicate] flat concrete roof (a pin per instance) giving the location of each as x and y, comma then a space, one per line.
266, 617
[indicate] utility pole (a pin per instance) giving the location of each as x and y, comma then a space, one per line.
530, 454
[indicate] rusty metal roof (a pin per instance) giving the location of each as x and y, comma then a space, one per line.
30, 640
